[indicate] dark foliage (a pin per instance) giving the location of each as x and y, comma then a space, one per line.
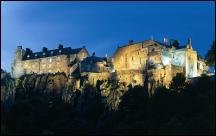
190, 110
210, 55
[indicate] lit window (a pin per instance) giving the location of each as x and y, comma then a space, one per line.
60, 51
28, 56
44, 53
35, 55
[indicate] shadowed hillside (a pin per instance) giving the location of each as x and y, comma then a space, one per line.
49, 104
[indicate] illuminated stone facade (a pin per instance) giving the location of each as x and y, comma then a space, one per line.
47, 61
131, 64
160, 61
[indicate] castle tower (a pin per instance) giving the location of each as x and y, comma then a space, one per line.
190, 60
17, 67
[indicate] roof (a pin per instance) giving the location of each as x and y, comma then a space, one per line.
93, 59
154, 41
48, 53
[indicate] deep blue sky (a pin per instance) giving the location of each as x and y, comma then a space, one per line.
102, 26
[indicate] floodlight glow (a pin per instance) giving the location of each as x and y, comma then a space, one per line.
166, 60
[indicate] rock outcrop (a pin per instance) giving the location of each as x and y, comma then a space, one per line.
7, 88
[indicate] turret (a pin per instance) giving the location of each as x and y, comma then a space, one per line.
189, 44
19, 52
17, 66
165, 41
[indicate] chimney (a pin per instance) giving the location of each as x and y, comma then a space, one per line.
130, 42
28, 50
44, 49
165, 41
60, 46
19, 47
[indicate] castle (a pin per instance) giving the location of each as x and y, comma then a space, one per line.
129, 64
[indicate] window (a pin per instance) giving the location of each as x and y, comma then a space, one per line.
138, 52
51, 52
44, 53
35, 55
112, 59
28, 56
140, 61
122, 59
132, 58
60, 51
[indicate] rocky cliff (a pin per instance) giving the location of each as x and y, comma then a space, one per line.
7, 88
60, 86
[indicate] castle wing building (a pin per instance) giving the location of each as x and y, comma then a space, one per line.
159, 60
46, 61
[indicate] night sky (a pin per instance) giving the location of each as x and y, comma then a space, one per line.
102, 26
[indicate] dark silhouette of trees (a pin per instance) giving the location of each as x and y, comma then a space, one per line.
175, 43
178, 82
210, 55
185, 108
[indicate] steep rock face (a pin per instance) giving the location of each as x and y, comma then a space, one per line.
7, 88
107, 93
112, 91
46, 83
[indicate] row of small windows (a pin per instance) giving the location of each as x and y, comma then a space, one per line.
28, 56
43, 65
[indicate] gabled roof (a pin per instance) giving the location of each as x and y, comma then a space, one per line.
93, 59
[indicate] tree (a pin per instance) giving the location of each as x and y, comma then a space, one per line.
178, 82
175, 43
210, 56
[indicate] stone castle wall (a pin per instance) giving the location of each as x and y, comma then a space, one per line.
52, 64
48, 64
130, 57
134, 77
